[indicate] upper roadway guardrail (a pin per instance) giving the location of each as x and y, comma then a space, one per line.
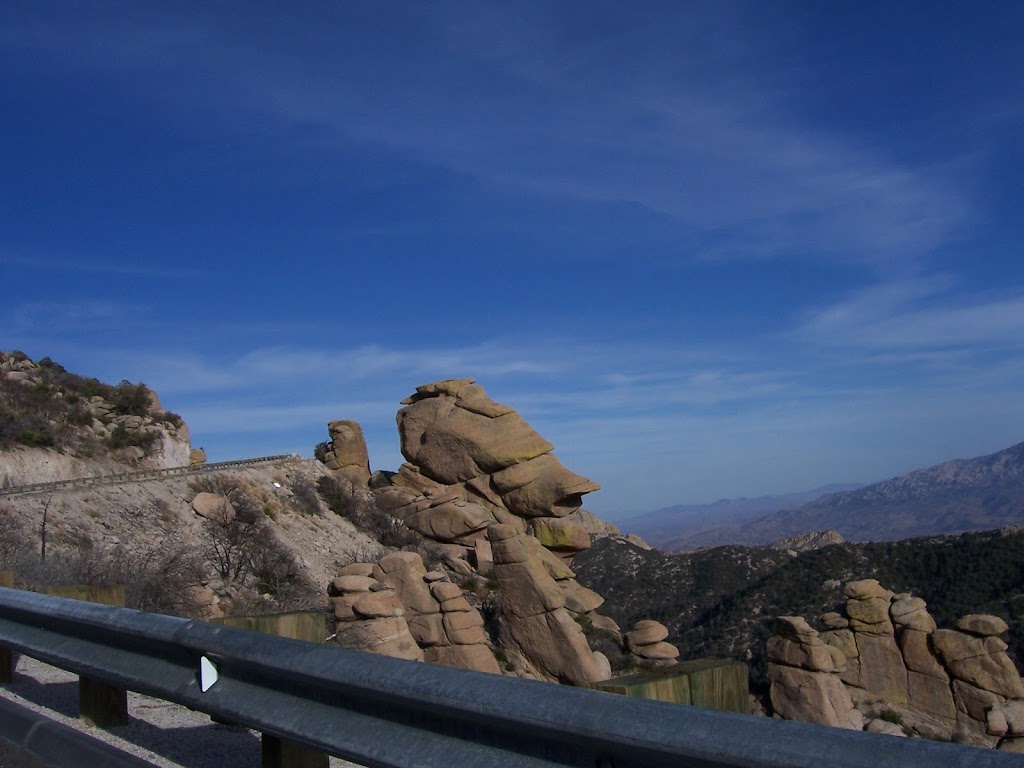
136, 476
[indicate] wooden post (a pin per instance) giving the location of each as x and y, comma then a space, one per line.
102, 705
281, 753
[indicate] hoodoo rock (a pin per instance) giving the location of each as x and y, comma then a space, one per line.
347, 455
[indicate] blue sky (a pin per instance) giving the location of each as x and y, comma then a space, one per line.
707, 249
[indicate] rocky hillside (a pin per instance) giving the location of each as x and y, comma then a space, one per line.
462, 557
57, 425
963, 495
723, 601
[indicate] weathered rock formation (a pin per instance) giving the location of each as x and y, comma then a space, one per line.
397, 608
347, 456
647, 643
804, 685
472, 463
884, 650
483, 485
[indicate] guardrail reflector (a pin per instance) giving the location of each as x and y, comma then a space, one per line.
207, 674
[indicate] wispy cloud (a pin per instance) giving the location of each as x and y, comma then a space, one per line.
918, 315
513, 100
131, 266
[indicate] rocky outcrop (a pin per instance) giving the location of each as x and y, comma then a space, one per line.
886, 651
537, 628
68, 424
395, 607
487, 489
806, 542
473, 463
347, 456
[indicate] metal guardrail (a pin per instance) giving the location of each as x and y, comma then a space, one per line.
391, 713
52, 743
134, 477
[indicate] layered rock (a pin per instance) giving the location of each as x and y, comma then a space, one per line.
647, 642
369, 616
887, 651
473, 463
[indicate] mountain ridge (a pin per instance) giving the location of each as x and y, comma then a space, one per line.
981, 493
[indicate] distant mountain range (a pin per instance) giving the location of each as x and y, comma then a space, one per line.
688, 526
960, 495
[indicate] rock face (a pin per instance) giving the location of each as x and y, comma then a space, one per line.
347, 455
886, 650
536, 622
472, 463
803, 684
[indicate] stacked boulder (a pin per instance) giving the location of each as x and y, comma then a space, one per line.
505, 516
647, 643
369, 616
886, 651
396, 607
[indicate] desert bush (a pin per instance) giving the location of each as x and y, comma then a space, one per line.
320, 451
304, 491
131, 399
245, 550
15, 541
155, 580
172, 418
124, 438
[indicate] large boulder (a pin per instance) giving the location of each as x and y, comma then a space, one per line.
453, 432
812, 697
347, 455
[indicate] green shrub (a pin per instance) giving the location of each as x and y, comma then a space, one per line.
320, 451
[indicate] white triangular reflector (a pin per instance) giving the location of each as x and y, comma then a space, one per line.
207, 674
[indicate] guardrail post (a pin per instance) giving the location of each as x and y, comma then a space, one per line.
102, 705
281, 753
